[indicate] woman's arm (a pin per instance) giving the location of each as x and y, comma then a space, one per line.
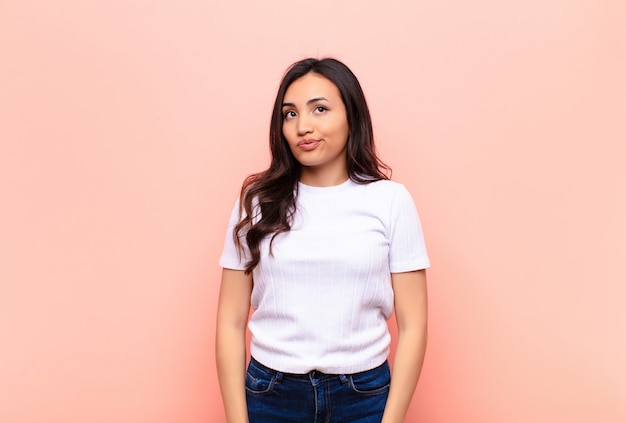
411, 308
230, 342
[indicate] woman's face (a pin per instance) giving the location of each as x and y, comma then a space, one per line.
315, 126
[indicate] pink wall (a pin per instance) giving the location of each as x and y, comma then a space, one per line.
126, 128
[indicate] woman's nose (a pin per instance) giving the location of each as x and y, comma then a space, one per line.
304, 125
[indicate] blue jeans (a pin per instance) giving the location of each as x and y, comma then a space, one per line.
315, 397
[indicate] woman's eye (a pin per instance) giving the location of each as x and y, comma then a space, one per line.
320, 109
289, 114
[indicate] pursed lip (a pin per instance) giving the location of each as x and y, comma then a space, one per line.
308, 144
307, 141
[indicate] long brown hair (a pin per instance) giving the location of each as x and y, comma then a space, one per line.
268, 198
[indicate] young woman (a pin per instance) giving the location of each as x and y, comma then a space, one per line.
324, 248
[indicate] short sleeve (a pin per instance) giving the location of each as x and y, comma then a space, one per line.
231, 257
407, 249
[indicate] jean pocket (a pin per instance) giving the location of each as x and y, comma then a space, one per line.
259, 381
371, 382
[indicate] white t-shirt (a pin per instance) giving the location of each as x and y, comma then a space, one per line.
322, 298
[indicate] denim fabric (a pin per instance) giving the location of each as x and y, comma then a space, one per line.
276, 397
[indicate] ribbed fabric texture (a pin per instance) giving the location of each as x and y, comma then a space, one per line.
322, 298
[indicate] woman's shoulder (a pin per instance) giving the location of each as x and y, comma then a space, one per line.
384, 186
380, 192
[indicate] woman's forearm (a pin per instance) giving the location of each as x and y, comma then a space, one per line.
407, 366
230, 342
411, 308
231, 371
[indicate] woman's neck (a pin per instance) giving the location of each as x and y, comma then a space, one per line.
323, 178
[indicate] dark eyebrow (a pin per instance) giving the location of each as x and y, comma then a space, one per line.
313, 100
